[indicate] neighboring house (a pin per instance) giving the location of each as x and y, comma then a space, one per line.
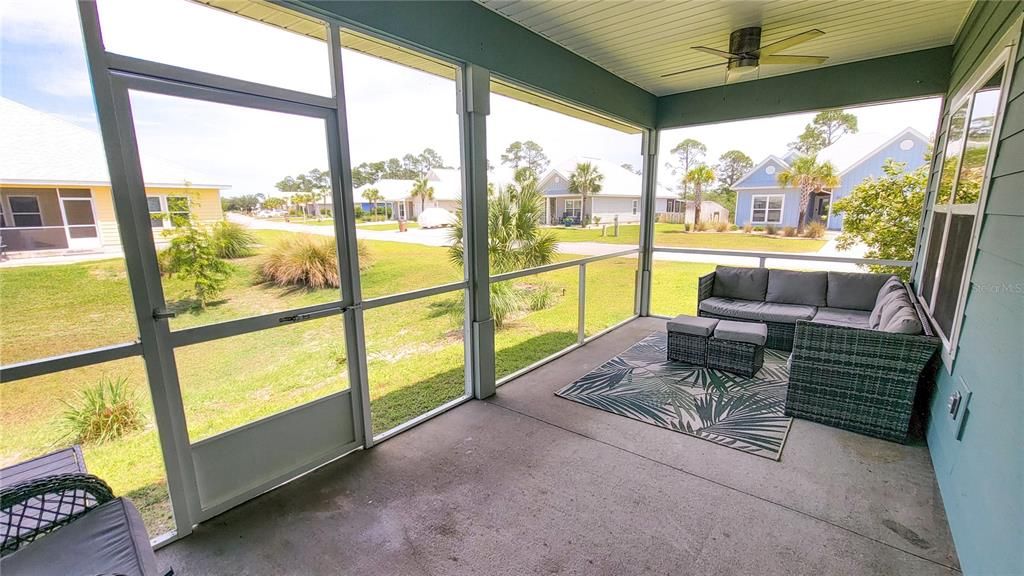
398, 199
55, 193
761, 201
619, 196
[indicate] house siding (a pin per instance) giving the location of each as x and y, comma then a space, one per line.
790, 205
981, 475
913, 158
205, 205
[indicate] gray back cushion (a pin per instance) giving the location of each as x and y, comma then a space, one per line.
896, 313
854, 290
883, 304
904, 321
789, 287
740, 283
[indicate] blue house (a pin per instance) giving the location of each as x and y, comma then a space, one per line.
761, 201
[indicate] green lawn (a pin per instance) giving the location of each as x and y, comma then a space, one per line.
673, 235
386, 226
415, 349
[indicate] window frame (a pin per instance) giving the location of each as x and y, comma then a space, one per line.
14, 214
166, 219
767, 208
1003, 56
578, 210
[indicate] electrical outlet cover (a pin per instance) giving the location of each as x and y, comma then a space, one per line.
959, 401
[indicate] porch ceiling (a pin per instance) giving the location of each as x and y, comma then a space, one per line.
640, 41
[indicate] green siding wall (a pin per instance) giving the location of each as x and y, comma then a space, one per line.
471, 33
981, 477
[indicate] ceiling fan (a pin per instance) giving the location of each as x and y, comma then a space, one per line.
746, 53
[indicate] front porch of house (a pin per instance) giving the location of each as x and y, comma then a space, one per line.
527, 482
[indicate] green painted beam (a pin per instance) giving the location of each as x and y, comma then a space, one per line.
468, 32
909, 75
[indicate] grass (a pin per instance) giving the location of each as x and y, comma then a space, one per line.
673, 235
386, 226
415, 351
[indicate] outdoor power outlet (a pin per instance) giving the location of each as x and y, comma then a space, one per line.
957, 406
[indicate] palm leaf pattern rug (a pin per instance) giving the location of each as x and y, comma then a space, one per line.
721, 407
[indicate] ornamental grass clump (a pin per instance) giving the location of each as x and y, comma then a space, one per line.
102, 413
307, 262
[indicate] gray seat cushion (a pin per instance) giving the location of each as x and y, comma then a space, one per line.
109, 539
790, 287
843, 317
751, 332
740, 283
693, 325
854, 290
759, 311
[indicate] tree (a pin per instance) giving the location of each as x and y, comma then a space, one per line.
317, 184
883, 214
372, 195
690, 153
367, 173
192, 255
732, 166
700, 176
422, 190
515, 240
527, 154
274, 203
243, 203
810, 177
825, 130
630, 167
585, 181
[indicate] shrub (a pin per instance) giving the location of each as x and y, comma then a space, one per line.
307, 262
193, 256
359, 213
733, 227
104, 412
232, 240
703, 227
506, 300
789, 231
722, 227
815, 230
540, 296
748, 227
758, 228
770, 229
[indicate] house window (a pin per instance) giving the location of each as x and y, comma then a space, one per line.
25, 212
574, 209
956, 204
168, 211
634, 206
767, 209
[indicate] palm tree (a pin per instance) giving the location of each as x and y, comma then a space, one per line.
807, 174
700, 176
372, 195
422, 191
515, 240
584, 181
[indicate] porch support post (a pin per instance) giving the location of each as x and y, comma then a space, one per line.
474, 93
648, 203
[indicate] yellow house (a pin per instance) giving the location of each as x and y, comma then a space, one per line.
55, 193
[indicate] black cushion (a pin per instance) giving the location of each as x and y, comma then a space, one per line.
741, 283
789, 287
854, 290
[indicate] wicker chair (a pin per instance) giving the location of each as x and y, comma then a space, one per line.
37, 507
857, 379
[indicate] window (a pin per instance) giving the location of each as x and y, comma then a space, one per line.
635, 202
168, 211
574, 208
25, 211
767, 209
956, 204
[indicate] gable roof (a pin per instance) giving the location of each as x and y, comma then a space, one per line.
618, 181
763, 163
853, 149
39, 148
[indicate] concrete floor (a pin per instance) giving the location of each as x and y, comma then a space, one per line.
528, 483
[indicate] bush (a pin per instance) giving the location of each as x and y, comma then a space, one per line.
733, 227
192, 255
540, 296
815, 230
770, 229
359, 213
722, 227
748, 227
789, 232
232, 240
506, 300
307, 262
703, 227
104, 412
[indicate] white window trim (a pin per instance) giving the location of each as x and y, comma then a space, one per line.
38, 212
578, 206
767, 197
1005, 56
164, 209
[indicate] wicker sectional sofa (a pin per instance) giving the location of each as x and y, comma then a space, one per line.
860, 342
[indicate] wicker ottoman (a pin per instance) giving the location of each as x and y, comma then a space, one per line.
737, 347
688, 338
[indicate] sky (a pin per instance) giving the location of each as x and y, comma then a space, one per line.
392, 110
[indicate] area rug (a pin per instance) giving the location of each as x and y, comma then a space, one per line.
721, 407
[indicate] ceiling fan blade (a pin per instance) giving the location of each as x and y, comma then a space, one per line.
714, 52
690, 70
781, 45
782, 59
